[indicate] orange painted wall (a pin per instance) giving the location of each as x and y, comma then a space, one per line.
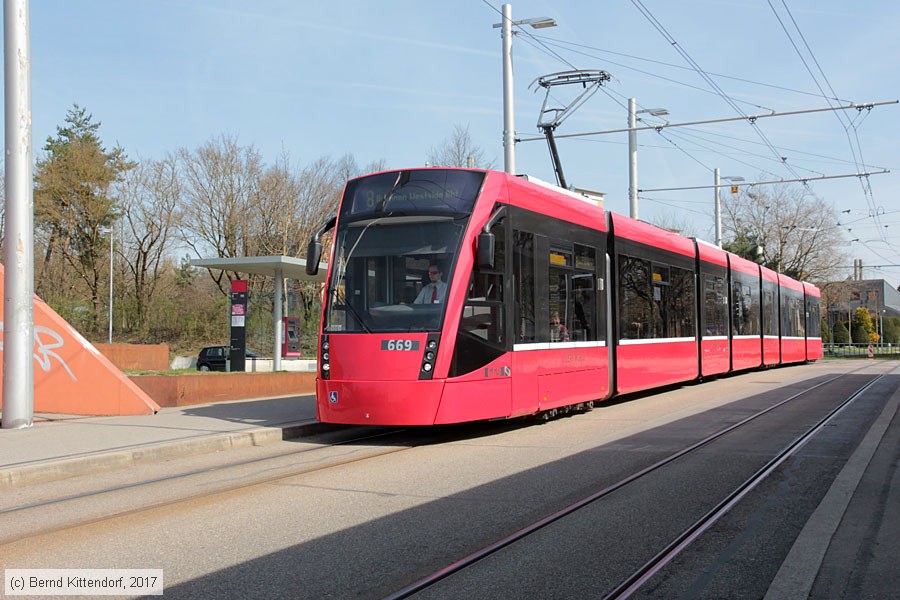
136, 357
70, 374
186, 390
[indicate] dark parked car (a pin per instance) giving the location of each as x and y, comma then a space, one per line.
212, 358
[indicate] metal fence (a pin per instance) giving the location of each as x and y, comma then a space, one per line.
860, 350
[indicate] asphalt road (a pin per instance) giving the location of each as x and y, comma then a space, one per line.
366, 518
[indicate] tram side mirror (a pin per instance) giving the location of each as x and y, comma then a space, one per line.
486, 250
313, 255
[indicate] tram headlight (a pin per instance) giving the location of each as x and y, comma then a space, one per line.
326, 356
429, 356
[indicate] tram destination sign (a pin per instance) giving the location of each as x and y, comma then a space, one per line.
412, 192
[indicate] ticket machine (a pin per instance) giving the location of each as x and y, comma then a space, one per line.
290, 339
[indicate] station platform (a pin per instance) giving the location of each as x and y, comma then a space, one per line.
62, 446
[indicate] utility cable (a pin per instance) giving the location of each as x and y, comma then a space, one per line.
682, 67
706, 77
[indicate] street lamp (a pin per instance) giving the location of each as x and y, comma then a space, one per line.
110, 283
732, 178
632, 151
509, 124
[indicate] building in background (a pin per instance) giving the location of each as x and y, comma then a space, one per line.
875, 295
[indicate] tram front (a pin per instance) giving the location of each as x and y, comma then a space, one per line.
391, 296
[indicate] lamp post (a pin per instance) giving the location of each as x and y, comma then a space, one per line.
632, 152
509, 124
110, 283
718, 178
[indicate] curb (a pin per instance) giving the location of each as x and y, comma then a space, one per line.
99, 462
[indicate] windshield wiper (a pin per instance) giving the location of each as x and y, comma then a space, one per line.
398, 183
343, 299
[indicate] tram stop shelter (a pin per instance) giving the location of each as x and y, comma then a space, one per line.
279, 267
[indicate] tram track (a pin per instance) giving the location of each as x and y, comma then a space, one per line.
248, 482
633, 582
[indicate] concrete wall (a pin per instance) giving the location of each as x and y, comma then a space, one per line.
186, 390
136, 357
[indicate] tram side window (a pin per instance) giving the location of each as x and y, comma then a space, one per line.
677, 306
814, 319
634, 298
584, 295
740, 301
483, 312
770, 309
481, 336
799, 315
792, 314
745, 305
673, 302
656, 300
523, 266
715, 306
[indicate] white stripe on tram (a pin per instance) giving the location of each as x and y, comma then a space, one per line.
557, 345
656, 341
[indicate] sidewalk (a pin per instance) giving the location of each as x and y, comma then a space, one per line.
61, 446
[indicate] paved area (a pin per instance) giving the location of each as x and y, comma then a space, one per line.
59, 446
860, 512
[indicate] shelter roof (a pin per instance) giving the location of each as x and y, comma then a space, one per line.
291, 268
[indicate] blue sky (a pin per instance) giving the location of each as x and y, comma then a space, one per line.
390, 79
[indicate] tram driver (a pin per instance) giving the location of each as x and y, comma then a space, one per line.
435, 290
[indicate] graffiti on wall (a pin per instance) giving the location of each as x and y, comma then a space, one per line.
46, 341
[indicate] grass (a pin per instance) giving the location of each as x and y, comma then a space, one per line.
166, 372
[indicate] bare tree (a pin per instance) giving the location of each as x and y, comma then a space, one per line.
786, 228
149, 197
220, 182
348, 168
293, 202
458, 150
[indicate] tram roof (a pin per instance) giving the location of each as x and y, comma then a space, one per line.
290, 267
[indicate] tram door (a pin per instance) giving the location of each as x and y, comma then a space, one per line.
572, 294
555, 317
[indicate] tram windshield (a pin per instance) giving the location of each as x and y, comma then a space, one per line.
396, 244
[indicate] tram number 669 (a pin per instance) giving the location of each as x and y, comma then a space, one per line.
400, 345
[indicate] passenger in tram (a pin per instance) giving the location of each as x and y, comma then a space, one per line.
433, 292
558, 331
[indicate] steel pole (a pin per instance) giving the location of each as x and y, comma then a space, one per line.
111, 243
279, 325
718, 209
632, 159
509, 118
18, 246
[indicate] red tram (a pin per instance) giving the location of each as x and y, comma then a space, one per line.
459, 295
